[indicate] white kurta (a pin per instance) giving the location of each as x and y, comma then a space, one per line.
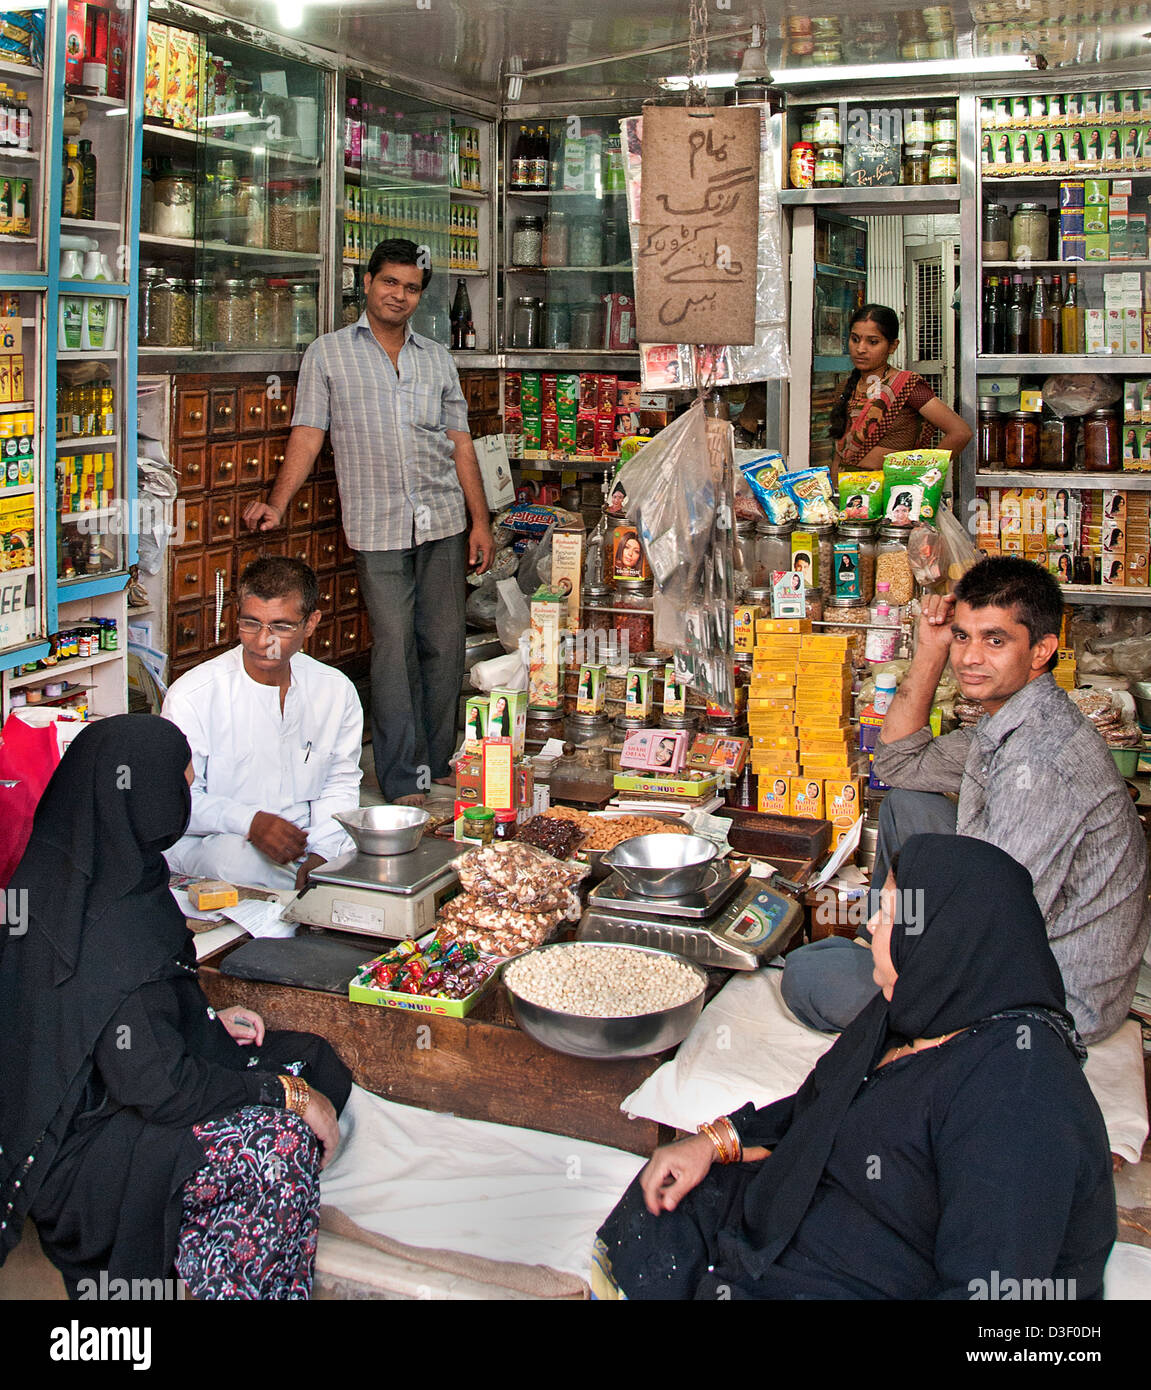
303, 764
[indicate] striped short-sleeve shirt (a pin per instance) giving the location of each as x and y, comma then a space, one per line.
395, 464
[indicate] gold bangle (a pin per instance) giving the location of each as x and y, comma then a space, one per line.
725, 1123
717, 1142
296, 1094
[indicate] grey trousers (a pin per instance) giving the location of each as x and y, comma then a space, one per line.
415, 601
828, 982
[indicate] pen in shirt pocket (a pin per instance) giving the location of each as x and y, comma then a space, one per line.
308, 750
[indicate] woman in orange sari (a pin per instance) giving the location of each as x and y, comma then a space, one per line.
881, 410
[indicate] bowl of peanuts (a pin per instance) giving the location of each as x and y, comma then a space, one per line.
605, 1000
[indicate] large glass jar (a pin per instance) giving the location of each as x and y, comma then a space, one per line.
1101, 451
1029, 232
528, 241
862, 533
174, 206
233, 315
849, 617
147, 327
225, 219
633, 619
991, 435
304, 315
147, 200
306, 199
590, 736
744, 562
1021, 439
555, 244
177, 306
585, 242
595, 601
263, 327
526, 322
280, 312
281, 217
892, 565
996, 235
255, 214
772, 552
587, 327
1057, 442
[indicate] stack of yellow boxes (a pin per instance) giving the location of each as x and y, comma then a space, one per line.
799, 718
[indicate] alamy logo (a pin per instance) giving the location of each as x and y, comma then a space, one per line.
76, 1343
999, 1290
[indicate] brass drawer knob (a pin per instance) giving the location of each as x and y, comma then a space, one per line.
256, 410
195, 416
226, 465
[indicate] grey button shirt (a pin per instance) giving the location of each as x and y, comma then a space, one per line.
1036, 779
395, 464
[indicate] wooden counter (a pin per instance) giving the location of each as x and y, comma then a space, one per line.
481, 1067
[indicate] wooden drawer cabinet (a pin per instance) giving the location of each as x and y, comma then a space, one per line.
229, 440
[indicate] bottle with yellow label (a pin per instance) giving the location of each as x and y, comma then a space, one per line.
73, 205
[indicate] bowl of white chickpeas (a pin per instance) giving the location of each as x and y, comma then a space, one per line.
603, 999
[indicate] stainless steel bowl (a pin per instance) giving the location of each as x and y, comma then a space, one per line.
1141, 694
383, 830
663, 866
608, 1039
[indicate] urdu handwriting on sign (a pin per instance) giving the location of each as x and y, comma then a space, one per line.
721, 200
669, 320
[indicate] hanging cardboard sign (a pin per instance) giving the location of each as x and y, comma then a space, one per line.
699, 223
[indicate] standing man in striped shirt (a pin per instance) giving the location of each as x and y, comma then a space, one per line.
413, 506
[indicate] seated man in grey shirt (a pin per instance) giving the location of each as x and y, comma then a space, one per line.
1032, 777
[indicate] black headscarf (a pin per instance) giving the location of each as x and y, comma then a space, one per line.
100, 923
969, 943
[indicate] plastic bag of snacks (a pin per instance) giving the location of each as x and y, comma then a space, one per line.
913, 484
813, 495
762, 475
520, 876
860, 496
529, 521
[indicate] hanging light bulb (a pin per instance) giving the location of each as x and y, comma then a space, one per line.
290, 13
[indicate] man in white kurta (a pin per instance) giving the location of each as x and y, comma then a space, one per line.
276, 740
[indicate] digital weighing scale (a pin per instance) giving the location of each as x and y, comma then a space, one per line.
734, 922
395, 896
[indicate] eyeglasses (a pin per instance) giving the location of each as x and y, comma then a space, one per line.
251, 627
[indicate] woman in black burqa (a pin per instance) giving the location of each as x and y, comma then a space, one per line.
137, 1129
946, 1141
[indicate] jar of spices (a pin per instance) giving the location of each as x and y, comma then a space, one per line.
174, 206
813, 603
801, 166
892, 567
201, 330
233, 315
625, 724
147, 329
281, 217
943, 163
542, 725
829, 167
479, 824
772, 552
996, 235
916, 162
595, 600
280, 294
1021, 439
827, 131
585, 241
633, 619
304, 315
862, 534
528, 241
589, 734
505, 825
1057, 439
687, 720
1101, 451
255, 214
917, 126
992, 442
306, 201
555, 240
944, 126
261, 312
179, 309
848, 617
1029, 232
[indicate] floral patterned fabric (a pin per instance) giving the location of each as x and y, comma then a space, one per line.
251, 1215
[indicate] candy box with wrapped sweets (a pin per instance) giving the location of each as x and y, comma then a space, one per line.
405, 978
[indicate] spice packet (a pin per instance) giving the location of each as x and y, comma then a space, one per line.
763, 475
812, 493
860, 496
913, 484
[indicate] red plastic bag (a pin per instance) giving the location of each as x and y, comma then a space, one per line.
29, 755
